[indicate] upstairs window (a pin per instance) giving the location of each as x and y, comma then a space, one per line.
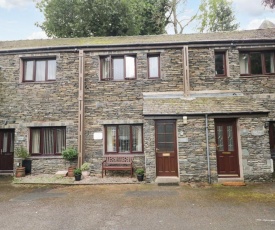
257, 63
47, 140
220, 64
118, 68
153, 66
39, 70
124, 139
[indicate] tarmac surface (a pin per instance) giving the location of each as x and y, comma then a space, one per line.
136, 206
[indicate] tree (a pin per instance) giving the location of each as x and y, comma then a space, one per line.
269, 3
216, 15
176, 18
84, 18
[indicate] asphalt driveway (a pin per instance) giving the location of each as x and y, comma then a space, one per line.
144, 206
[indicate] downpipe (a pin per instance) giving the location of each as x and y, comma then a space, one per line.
207, 149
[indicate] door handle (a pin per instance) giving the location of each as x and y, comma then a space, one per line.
157, 149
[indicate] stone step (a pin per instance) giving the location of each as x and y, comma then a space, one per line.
167, 180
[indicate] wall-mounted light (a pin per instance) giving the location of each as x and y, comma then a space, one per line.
266, 124
184, 119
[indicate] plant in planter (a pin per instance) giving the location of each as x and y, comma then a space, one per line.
85, 168
23, 153
140, 174
77, 174
70, 154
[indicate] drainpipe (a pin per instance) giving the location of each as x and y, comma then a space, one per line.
207, 149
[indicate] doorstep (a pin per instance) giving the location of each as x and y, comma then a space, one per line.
167, 180
231, 181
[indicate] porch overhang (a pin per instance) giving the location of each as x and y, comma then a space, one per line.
200, 103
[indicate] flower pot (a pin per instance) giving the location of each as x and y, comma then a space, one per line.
77, 177
71, 171
140, 177
20, 172
85, 173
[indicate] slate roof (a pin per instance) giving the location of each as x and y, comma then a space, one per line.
201, 38
201, 105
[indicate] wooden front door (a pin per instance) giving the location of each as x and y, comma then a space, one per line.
166, 148
227, 148
6, 149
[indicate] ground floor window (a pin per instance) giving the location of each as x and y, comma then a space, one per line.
47, 140
123, 139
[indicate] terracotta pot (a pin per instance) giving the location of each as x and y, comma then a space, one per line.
71, 171
20, 172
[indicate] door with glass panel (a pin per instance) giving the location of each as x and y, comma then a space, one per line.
166, 148
227, 148
6, 149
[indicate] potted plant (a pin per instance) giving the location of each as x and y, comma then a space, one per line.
140, 174
23, 153
77, 174
85, 168
70, 154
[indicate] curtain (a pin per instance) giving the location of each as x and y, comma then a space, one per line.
244, 63
40, 70
130, 67
60, 140
28, 71
48, 147
124, 138
118, 68
111, 139
153, 67
105, 68
137, 138
35, 140
51, 69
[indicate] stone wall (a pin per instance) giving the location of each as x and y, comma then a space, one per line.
42, 104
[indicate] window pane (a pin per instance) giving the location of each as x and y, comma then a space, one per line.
244, 64
220, 138
40, 70
51, 69
111, 139
118, 69
130, 67
48, 142
137, 138
105, 68
5, 143
124, 138
219, 64
256, 63
60, 140
28, 71
269, 62
230, 138
35, 140
153, 67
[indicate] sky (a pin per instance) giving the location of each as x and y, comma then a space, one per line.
18, 17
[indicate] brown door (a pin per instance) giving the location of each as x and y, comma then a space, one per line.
166, 148
227, 148
6, 149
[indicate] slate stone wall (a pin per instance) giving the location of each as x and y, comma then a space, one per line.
40, 104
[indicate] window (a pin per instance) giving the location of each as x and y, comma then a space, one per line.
39, 70
118, 67
124, 139
256, 63
220, 64
153, 66
47, 140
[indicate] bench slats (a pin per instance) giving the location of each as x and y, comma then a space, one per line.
117, 163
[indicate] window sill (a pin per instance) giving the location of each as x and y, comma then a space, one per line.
37, 82
126, 154
46, 157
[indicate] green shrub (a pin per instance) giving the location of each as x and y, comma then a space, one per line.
22, 152
77, 172
140, 171
69, 154
85, 166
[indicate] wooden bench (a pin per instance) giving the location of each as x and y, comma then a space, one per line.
117, 163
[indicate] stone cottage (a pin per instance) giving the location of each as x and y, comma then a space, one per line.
195, 107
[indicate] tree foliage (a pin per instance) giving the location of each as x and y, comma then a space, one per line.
216, 15
84, 18
269, 3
